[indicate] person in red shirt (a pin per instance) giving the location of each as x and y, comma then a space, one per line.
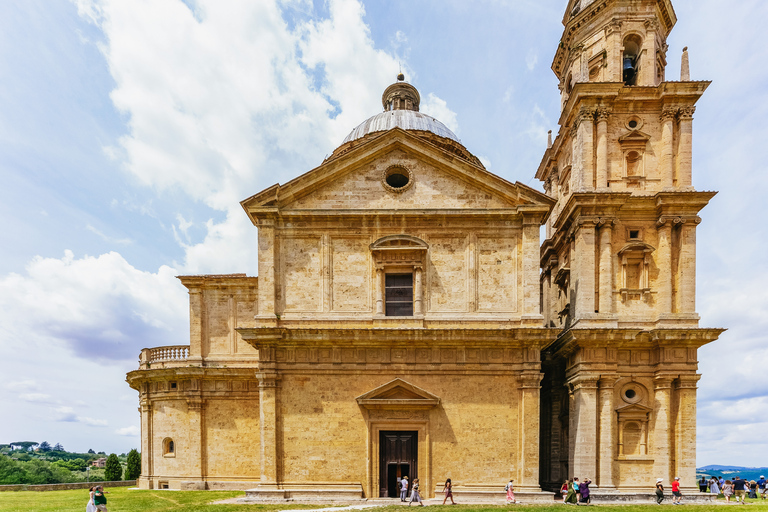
677, 495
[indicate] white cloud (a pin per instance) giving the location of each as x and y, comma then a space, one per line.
133, 431
67, 415
99, 307
438, 108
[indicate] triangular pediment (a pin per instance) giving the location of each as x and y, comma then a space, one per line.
635, 136
634, 408
357, 181
398, 394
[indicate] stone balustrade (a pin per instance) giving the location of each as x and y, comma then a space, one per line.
163, 357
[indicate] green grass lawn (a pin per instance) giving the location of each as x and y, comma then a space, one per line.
122, 499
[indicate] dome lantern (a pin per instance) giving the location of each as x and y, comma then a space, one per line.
400, 96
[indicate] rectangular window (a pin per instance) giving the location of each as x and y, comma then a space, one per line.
399, 294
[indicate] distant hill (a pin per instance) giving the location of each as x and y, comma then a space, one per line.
730, 471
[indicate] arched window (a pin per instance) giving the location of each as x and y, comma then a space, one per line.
633, 45
169, 447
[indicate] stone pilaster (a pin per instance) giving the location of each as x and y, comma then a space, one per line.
196, 325
607, 433
583, 434
267, 262
195, 439
583, 151
667, 159
529, 386
685, 425
664, 264
605, 297
685, 149
687, 294
530, 257
602, 149
147, 454
268, 423
418, 290
379, 291
583, 298
662, 453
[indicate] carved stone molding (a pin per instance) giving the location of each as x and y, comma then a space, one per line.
668, 113
602, 114
686, 113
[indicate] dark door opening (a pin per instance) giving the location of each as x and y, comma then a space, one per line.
398, 457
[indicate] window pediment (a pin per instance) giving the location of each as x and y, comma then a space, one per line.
399, 242
398, 394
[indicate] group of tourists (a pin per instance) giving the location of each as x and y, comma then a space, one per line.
738, 487
575, 492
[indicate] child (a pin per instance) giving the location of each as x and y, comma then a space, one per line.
448, 492
510, 488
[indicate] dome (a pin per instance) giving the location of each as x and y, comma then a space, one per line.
405, 119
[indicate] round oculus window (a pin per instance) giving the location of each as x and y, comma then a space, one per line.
634, 123
630, 394
397, 178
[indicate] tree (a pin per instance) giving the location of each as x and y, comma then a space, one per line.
113, 471
90, 450
133, 469
59, 448
45, 446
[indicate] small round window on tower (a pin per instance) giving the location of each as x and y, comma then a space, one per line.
397, 178
630, 394
633, 124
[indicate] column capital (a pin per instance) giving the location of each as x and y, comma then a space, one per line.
586, 114
268, 379
607, 222
668, 114
687, 381
608, 381
686, 113
195, 404
663, 382
584, 382
602, 114
529, 380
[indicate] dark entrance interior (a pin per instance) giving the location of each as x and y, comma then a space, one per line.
398, 452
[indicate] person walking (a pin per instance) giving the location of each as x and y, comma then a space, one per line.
510, 488
739, 489
577, 489
447, 489
703, 485
677, 496
714, 487
659, 491
761, 485
570, 498
415, 496
728, 490
564, 490
99, 499
91, 507
753, 489
403, 488
584, 491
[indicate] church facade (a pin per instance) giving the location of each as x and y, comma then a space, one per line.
407, 319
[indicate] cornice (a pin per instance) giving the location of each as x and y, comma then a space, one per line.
573, 339
217, 280
531, 337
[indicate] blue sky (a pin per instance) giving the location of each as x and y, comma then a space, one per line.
129, 131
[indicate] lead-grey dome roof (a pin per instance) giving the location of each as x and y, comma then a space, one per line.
405, 119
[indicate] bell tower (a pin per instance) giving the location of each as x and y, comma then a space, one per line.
619, 260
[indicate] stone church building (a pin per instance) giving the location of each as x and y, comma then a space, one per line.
407, 318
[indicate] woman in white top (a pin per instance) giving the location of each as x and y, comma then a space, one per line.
91, 507
714, 487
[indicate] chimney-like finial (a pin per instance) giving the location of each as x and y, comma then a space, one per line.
549, 139
685, 67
